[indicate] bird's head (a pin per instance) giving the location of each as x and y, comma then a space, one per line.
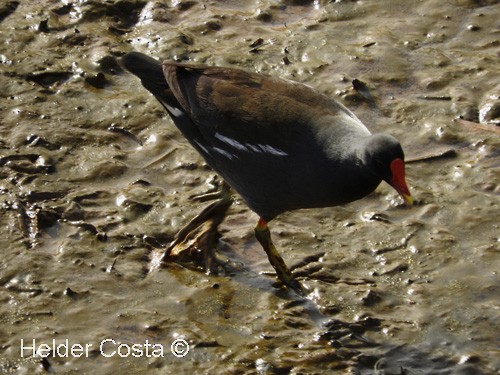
384, 157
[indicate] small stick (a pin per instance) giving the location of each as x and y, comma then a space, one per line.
450, 153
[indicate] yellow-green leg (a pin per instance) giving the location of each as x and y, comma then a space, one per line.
201, 232
284, 274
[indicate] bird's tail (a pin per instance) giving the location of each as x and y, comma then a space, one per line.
149, 71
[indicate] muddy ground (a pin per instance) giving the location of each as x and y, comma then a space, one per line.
95, 178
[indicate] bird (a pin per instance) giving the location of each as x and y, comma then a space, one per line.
280, 144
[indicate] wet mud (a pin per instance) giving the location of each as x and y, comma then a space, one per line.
95, 179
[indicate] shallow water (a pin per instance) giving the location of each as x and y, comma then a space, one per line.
94, 176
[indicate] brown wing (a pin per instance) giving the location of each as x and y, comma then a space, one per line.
247, 107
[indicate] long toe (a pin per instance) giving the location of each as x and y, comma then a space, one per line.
297, 286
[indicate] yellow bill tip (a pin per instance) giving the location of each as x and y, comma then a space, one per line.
408, 199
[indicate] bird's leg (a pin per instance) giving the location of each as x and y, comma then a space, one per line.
284, 274
201, 233
217, 209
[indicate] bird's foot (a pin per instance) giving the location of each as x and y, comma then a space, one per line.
292, 283
195, 244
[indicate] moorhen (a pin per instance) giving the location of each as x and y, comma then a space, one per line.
280, 144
